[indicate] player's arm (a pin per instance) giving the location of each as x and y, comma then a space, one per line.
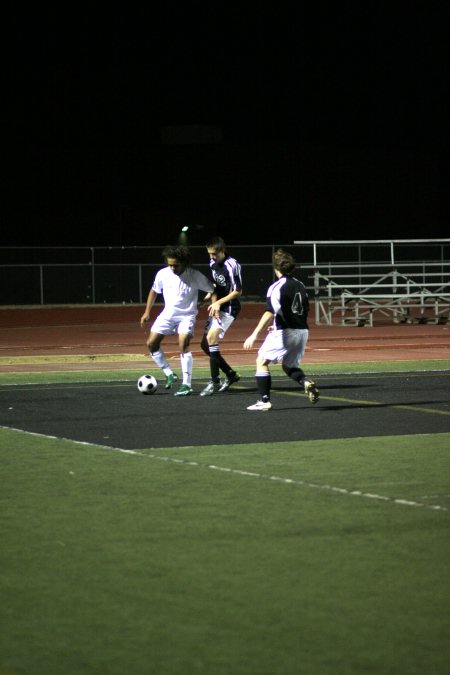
217, 302
205, 289
204, 298
150, 302
264, 322
211, 298
204, 284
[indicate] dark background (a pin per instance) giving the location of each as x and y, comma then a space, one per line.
263, 125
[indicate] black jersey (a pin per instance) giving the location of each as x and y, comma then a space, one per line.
288, 300
226, 278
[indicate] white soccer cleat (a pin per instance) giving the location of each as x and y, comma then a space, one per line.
260, 405
229, 380
184, 390
312, 391
210, 389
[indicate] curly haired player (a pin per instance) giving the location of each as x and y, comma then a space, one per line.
286, 314
179, 284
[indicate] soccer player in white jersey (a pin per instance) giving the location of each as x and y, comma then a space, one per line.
286, 318
225, 307
180, 285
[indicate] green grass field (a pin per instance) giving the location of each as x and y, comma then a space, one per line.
308, 558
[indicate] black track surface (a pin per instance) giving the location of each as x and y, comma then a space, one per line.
117, 415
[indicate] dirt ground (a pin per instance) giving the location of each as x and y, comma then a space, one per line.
36, 338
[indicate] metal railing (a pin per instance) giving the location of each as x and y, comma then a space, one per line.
333, 271
107, 275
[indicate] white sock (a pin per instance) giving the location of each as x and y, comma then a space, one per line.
160, 359
186, 367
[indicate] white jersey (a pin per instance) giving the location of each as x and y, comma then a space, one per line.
181, 292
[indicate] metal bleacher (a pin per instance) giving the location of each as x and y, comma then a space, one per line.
403, 281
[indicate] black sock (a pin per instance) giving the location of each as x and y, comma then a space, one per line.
298, 375
224, 367
214, 361
264, 383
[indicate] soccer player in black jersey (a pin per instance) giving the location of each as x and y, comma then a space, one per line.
286, 318
223, 310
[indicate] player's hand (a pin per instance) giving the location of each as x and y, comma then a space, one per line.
214, 309
144, 318
215, 315
248, 344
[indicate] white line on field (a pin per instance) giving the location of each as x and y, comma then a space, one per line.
241, 472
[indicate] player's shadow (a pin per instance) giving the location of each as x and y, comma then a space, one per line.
373, 406
344, 386
321, 388
238, 390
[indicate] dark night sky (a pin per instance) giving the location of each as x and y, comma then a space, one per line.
332, 123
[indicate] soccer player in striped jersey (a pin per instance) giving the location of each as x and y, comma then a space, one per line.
286, 318
223, 310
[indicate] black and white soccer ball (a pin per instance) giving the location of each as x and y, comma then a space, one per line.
147, 384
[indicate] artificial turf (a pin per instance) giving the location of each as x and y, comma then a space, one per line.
197, 561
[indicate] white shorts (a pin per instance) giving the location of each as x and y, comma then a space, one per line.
286, 346
223, 323
165, 325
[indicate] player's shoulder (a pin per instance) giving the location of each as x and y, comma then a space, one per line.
232, 266
194, 271
298, 282
275, 285
163, 272
229, 260
195, 274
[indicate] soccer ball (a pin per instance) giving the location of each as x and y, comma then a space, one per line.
147, 384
